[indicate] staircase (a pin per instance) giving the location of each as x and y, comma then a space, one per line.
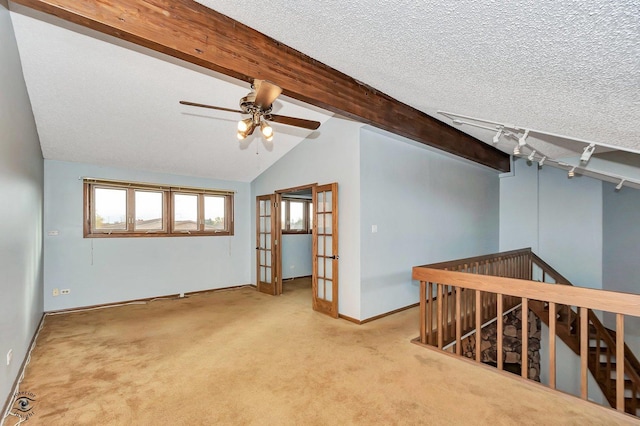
471, 304
602, 353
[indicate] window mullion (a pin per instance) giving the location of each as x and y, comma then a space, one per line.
287, 218
131, 209
200, 212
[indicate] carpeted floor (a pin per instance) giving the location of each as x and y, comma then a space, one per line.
241, 357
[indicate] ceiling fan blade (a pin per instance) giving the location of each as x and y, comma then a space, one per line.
210, 106
266, 93
292, 121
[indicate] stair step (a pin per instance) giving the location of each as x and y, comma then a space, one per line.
612, 366
631, 406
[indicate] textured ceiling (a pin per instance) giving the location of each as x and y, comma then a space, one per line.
103, 101
570, 68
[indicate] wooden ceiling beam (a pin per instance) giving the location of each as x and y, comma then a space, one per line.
189, 31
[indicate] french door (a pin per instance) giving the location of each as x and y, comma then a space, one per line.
266, 244
325, 249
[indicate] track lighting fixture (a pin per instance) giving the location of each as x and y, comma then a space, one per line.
520, 133
587, 153
496, 138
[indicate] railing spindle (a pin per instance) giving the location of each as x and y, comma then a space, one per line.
430, 312
478, 325
440, 304
620, 362
458, 320
445, 314
584, 353
552, 345
423, 312
500, 324
524, 352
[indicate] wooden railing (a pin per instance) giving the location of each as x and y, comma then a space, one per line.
460, 296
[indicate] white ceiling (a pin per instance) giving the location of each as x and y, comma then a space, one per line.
100, 100
570, 68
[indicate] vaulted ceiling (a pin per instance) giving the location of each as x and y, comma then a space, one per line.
564, 68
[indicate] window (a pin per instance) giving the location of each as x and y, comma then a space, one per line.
296, 216
129, 209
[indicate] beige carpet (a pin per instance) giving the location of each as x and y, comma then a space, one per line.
241, 357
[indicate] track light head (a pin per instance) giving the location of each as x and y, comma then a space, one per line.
572, 172
619, 186
516, 150
541, 162
587, 153
522, 141
532, 155
496, 138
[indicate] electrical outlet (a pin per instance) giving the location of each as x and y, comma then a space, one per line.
56, 292
9, 356
65, 291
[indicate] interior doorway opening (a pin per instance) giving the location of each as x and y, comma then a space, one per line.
290, 212
296, 230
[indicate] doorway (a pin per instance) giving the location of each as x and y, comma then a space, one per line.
308, 213
296, 229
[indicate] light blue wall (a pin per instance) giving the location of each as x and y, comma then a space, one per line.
21, 186
107, 270
559, 218
621, 239
296, 255
427, 207
519, 208
570, 233
331, 156
621, 248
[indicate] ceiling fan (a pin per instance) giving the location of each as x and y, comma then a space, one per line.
258, 104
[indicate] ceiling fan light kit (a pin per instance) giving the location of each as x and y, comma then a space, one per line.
259, 103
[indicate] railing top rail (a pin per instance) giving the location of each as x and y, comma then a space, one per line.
560, 279
611, 301
470, 260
